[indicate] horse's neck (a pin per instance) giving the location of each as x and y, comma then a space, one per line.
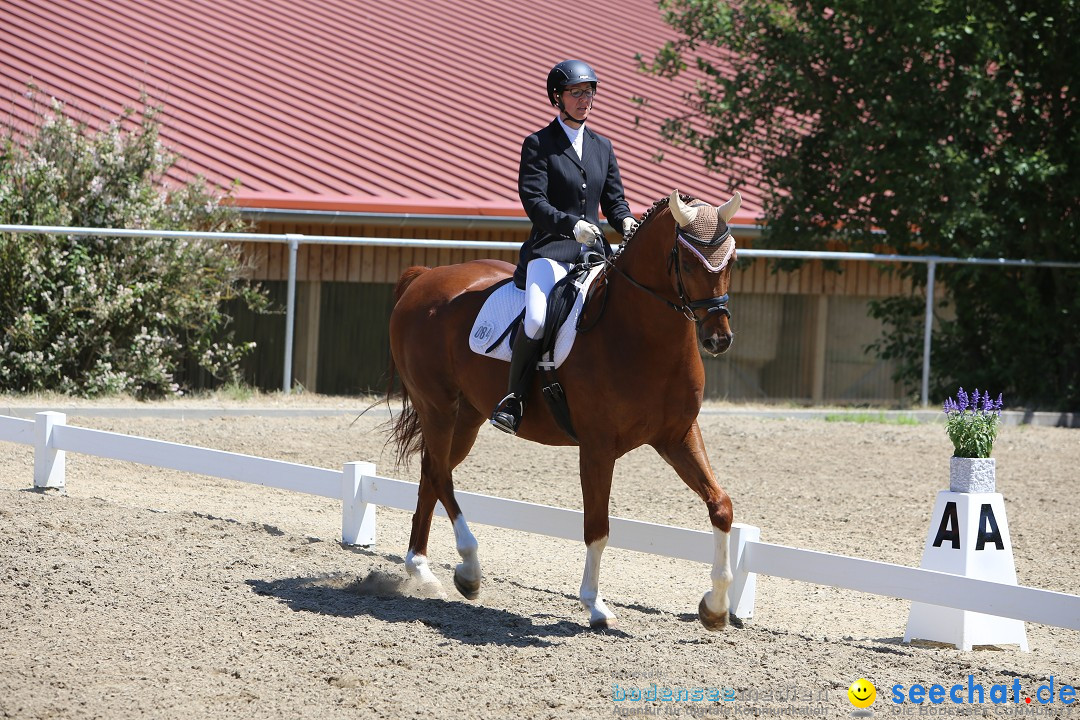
646, 260
642, 313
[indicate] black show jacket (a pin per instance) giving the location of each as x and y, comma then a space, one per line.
557, 189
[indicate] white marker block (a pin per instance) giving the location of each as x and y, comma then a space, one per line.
969, 536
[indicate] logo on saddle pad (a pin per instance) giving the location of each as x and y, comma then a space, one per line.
483, 332
504, 306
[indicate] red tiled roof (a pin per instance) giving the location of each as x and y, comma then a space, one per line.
356, 105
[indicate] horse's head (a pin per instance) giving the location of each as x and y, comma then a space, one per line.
702, 257
699, 250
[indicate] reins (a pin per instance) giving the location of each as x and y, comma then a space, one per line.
687, 307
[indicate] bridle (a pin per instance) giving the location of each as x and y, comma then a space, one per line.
687, 307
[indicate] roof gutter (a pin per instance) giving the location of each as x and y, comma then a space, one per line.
397, 220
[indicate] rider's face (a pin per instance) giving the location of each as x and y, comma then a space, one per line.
578, 108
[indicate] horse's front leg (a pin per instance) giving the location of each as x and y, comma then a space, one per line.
690, 461
595, 492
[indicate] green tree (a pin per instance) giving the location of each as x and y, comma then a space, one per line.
951, 125
86, 315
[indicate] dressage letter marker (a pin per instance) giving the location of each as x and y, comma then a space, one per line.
969, 536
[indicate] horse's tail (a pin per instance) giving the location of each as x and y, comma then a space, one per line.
406, 279
405, 428
405, 432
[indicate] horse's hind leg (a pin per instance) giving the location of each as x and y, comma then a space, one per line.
688, 458
416, 562
447, 441
467, 574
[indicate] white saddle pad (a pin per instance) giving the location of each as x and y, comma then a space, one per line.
503, 307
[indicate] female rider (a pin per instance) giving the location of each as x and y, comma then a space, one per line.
567, 172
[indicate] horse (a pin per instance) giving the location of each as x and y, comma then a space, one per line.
633, 377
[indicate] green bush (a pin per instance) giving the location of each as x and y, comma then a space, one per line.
86, 315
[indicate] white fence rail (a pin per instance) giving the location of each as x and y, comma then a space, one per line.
361, 490
16, 430
203, 461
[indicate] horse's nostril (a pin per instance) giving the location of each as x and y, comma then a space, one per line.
716, 344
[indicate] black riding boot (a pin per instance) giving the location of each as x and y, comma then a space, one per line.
523, 358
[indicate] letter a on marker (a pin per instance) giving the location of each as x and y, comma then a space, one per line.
988, 529
949, 529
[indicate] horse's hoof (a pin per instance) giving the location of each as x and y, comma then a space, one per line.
433, 590
711, 620
470, 590
605, 623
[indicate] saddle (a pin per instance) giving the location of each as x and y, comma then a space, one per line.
492, 330
499, 319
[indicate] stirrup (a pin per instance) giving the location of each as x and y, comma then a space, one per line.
505, 418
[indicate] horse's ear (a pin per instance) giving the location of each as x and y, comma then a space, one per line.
728, 209
683, 213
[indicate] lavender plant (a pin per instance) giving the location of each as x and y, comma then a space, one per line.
972, 422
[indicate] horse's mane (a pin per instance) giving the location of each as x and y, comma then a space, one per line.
656, 206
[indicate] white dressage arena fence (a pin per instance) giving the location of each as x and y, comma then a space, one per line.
360, 491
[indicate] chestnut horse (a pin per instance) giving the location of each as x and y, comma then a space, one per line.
634, 378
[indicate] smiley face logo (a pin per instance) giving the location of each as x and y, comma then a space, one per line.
862, 693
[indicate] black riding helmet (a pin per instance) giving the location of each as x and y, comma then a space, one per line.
568, 72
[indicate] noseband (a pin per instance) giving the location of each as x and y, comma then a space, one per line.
687, 307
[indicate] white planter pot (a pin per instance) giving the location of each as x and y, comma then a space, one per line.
971, 475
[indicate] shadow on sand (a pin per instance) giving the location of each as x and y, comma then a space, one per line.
393, 599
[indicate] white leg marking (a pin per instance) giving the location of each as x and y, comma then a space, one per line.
599, 615
469, 569
717, 598
417, 567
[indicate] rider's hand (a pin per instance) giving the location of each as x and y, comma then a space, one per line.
629, 225
586, 233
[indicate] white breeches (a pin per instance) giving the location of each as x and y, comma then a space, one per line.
541, 274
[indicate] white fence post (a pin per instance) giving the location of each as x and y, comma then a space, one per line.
48, 461
743, 590
357, 516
